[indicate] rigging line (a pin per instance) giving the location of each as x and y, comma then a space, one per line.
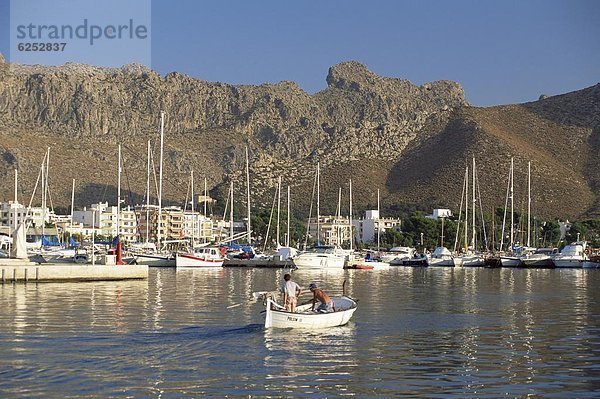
462, 197
34, 190
505, 209
310, 212
154, 174
270, 219
187, 195
485, 240
227, 202
49, 196
127, 181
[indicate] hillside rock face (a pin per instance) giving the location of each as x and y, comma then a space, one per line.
362, 126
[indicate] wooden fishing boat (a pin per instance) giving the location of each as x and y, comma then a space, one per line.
277, 317
304, 317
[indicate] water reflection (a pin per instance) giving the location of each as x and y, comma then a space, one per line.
311, 361
452, 332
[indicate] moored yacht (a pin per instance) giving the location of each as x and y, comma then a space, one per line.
200, 257
321, 257
541, 257
441, 256
398, 254
571, 256
470, 259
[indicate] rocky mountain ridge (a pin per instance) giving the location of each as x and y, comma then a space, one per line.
410, 141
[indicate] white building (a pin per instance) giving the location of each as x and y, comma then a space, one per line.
365, 230
102, 220
333, 230
440, 213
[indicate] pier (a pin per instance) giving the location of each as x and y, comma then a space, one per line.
17, 271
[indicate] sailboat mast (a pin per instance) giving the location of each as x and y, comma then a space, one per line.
44, 196
378, 210
119, 194
248, 227
205, 201
231, 211
287, 237
512, 203
46, 170
72, 201
160, 177
350, 221
466, 209
474, 209
16, 184
529, 203
148, 195
338, 217
193, 210
15, 220
318, 204
278, 207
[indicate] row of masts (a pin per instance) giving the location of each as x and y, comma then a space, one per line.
44, 172
472, 244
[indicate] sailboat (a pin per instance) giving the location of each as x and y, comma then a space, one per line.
200, 255
540, 257
441, 255
320, 256
152, 256
512, 259
284, 252
469, 258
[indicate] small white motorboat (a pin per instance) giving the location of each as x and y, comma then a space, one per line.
200, 257
276, 316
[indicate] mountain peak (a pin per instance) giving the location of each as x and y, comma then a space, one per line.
351, 75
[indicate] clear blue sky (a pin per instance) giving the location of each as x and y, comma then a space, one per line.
499, 51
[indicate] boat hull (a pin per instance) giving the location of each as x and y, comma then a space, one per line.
588, 264
568, 263
155, 260
305, 319
319, 262
538, 262
469, 261
188, 260
441, 262
510, 261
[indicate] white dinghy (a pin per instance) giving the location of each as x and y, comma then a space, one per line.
276, 316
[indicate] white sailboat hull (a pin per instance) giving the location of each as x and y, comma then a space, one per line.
156, 260
469, 261
307, 319
319, 261
441, 262
568, 263
190, 260
510, 261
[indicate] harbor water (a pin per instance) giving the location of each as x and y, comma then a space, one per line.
417, 332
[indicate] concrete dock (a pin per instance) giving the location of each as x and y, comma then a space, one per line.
14, 270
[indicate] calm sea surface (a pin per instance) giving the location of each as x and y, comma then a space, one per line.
418, 332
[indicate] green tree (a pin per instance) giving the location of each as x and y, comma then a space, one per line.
550, 234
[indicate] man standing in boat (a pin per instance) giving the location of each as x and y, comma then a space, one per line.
326, 305
291, 291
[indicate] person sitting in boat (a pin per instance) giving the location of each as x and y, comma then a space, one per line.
326, 305
291, 291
